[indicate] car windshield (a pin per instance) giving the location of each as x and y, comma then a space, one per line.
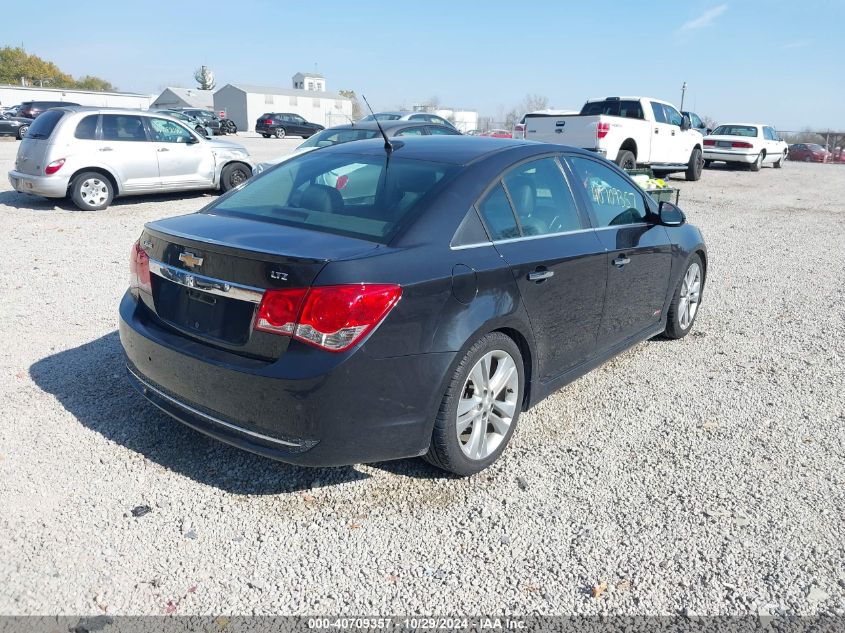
365, 196
735, 130
334, 137
383, 116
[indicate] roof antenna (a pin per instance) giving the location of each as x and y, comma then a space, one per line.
387, 146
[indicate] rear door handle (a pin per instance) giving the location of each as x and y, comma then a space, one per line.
620, 261
163, 149
105, 149
540, 275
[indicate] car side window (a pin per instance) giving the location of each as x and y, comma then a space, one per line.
498, 215
672, 115
86, 129
410, 131
122, 127
439, 129
659, 114
165, 131
541, 198
614, 200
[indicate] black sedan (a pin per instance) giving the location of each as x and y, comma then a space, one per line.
282, 124
366, 302
14, 126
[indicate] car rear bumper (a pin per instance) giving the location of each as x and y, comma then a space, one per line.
731, 156
310, 407
47, 186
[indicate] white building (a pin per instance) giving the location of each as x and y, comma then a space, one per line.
463, 120
13, 95
309, 81
173, 97
244, 103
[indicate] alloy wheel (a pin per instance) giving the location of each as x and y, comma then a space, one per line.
488, 404
93, 192
690, 296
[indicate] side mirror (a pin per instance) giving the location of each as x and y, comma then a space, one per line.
670, 215
686, 123
192, 140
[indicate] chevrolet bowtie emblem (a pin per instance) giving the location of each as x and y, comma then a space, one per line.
189, 259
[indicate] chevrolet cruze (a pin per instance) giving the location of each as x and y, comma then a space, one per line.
372, 301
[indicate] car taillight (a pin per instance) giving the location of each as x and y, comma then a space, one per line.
333, 318
53, 167
139, 269
268, 121
709, 143
602, 129
741, 145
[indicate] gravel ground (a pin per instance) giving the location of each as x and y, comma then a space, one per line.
700, 476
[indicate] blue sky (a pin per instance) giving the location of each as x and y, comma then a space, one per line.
777, 61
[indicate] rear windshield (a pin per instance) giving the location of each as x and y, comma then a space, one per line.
736, 130
613, 107
333, 137
359, 196
44, 125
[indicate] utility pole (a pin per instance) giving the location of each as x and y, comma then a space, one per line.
683, 92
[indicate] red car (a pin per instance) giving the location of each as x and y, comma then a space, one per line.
809, 153
497, 133
838, 155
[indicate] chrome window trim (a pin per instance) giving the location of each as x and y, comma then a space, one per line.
209, 285
526, 238
210, 418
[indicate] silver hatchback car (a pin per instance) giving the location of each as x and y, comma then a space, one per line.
96, 154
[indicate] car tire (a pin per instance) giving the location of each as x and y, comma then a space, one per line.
266, 135
807, 159
626, 159
22, 130
91, 191
280, 132
779, 162
686, 300
695, 165
757, 164
471, 445
233, 175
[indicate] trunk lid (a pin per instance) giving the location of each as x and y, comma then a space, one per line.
33, 152
209, 273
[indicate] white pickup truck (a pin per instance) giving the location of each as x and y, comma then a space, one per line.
628, 130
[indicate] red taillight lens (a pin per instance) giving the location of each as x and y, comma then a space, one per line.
279, 309
333, 318
268, 121
53, 167
741, 145
139, 269
602, 129
709, 143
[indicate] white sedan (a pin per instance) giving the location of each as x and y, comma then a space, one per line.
752, 144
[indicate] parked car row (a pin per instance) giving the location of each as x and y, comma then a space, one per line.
303, 292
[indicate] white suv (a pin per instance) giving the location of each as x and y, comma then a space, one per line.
95, 154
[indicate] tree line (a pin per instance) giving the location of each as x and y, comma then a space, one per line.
17, 64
